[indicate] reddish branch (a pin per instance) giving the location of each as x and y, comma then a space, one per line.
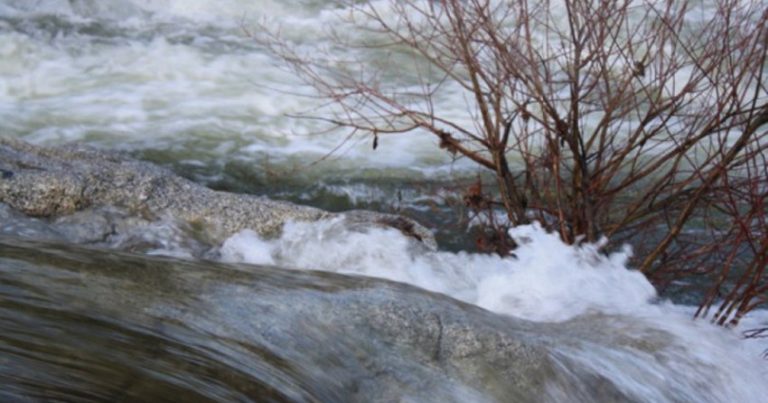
608, 117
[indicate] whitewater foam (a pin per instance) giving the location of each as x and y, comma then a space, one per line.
664, 355
546, 281
139, 74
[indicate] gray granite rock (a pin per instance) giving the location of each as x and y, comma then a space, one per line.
309, 336
59, 181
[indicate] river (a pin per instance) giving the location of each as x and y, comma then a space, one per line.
182, 84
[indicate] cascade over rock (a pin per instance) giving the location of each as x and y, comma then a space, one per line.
341, 338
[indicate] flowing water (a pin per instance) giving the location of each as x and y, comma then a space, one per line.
180, 83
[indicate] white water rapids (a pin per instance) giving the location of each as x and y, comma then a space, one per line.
176, 74
547, 281
183, 77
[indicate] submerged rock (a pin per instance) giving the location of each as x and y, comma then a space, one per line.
60, 181
181, 330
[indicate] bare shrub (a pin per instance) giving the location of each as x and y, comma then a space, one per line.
643, 121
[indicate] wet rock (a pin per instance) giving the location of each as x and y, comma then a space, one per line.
303, 336
13, 223
84, 227
407, 226
59, 181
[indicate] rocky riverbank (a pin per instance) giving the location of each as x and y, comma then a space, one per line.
87, 185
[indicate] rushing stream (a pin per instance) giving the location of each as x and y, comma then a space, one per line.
156, 315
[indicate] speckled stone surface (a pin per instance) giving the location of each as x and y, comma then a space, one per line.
58, 181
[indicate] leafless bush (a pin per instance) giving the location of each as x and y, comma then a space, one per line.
639, 120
